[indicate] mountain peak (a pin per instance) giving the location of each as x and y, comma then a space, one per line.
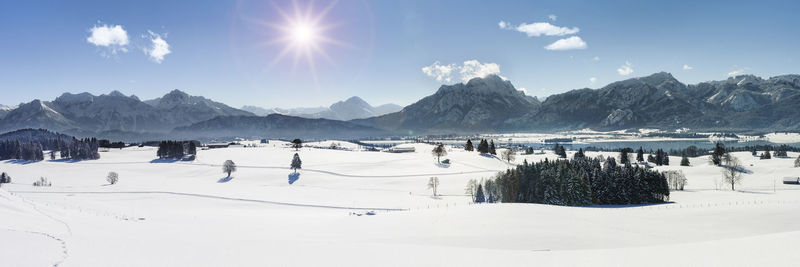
176, 94
73, 98
490, 80
491, 83
355, 99
117, 94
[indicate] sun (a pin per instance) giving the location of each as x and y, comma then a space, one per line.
303, 35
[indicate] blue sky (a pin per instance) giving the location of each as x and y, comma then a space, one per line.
228, 50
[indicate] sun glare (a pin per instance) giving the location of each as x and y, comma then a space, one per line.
303, 35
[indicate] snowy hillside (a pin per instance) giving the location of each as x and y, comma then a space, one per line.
190, 214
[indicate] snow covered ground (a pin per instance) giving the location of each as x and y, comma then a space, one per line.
189, 214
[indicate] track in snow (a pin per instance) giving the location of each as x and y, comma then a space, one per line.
214, 197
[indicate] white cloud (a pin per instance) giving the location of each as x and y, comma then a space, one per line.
158, 48
569, 43
473, 68
625, 69
596, 58
537, 29
736, 72
502, 24
687, 67
439, 72
544, 28
552, 17
466, 71
113, 37
593, 80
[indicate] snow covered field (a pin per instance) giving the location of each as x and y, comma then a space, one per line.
188, 214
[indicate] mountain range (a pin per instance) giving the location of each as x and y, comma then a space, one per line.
350, 109
490, 104
115, 111
743, 103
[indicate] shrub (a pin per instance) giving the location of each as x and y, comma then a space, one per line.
112, 177
42, 182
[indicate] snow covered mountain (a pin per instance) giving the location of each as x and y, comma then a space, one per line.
480, 105
352, 108
488, 104
179, 107
115, 111
744, 102
259, 111
5, 110
36, 114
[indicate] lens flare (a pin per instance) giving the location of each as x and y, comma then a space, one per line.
303, 35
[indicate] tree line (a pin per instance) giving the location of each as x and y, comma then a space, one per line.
176, 149
577, 182
75, 149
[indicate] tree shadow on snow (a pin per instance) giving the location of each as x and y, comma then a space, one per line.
741, 169
629, 205
20, 162
755, 192
293, 177
487, 155
164, 160
443, 165
225, 179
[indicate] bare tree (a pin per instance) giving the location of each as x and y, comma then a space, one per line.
228, 167
433, 184
112, 177
439, 151
676, 180
472, 185
732, 170
508, 155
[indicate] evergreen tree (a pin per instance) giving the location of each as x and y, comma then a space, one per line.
579, 154
296, 162
684, 161
469, 147
623, 157
766, 155
479, 196
192, 148
640, 155
716, 155
528, 150
492, 149
483, 147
